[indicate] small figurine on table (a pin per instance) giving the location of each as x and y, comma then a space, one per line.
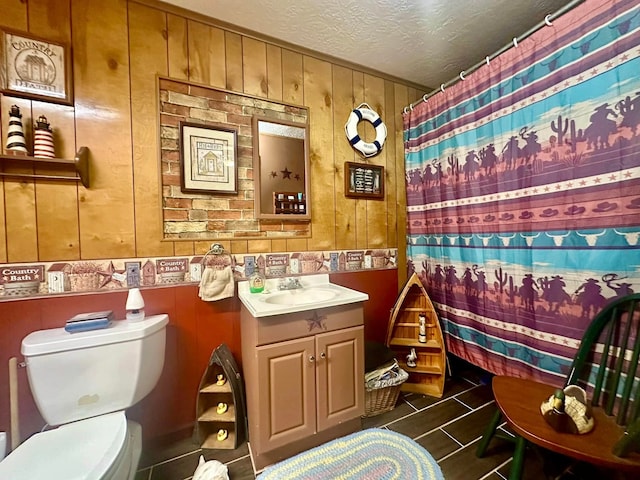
221, 379
411, 358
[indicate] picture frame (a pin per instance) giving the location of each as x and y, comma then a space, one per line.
208, 158
362, 180
35, 68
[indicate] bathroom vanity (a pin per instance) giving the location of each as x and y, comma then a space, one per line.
303, 362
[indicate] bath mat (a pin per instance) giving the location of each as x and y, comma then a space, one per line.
372, 454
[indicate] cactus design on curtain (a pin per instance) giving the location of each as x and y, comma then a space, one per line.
523, 191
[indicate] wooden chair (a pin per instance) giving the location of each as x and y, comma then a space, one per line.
606, 362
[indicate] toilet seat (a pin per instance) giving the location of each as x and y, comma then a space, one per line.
82, 450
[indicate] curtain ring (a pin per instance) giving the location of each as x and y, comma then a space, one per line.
405, 110
411, 107
462, 74
548, 21
486, 59
515, 42
442, 87
424, 98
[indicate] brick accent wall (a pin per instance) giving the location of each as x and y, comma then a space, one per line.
209, 216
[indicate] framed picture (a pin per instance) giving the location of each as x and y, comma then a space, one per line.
208, 155
363, 181
35, 68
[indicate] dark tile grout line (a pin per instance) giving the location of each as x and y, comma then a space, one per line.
453, 420
452, 438
182, 455
496, 470
405, 399
472, 410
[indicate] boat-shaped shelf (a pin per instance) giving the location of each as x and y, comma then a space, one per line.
79, 165
403, 335
221, 383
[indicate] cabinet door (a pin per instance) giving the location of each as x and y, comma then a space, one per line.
340, 376
286, 391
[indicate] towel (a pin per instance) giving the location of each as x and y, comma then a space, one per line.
216, 284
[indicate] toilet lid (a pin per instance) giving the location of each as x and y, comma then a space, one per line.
80, 450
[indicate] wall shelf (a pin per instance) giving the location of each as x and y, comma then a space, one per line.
210, 394
289, 203
80, 166
427, 375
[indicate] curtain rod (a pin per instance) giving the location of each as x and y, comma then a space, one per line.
546, 22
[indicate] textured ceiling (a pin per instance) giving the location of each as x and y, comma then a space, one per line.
427, 42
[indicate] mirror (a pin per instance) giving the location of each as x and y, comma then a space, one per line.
281, 169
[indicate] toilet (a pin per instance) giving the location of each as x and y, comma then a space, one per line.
82, 383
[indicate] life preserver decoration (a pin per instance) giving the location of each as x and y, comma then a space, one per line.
364, 112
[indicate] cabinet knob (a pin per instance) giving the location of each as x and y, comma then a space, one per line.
312, 358
323, 355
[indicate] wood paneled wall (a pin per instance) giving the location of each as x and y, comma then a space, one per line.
118, 49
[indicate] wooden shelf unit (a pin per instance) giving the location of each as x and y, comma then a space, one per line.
80, 166
428, 376
210, 394
293, 203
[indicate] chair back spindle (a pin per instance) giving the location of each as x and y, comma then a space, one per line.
606, 363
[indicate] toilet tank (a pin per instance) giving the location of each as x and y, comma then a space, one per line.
74, 376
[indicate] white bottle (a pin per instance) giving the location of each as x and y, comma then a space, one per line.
422, 332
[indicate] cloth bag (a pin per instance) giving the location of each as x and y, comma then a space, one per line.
210, 470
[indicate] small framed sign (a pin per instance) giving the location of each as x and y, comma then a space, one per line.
363, 181
209, 158
35, 68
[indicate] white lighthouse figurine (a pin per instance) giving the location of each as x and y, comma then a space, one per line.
422, 328
15, 133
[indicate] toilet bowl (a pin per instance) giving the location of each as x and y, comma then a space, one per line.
102, 447
79, 383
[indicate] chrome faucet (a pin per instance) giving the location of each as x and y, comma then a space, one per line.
289, 283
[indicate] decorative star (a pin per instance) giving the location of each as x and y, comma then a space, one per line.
286, 173
274, 174
297, 176
316, 321
107, 276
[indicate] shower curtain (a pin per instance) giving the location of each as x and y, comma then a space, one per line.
523, 192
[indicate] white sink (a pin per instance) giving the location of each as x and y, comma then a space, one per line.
316, 292
301, 296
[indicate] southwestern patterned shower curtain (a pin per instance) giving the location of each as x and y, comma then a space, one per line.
523, 191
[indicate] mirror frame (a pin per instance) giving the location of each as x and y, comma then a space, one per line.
306, 217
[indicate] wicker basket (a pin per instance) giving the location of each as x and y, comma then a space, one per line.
379, 400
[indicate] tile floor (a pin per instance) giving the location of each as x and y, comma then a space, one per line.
449, 428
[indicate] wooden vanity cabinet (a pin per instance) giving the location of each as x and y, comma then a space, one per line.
304, 376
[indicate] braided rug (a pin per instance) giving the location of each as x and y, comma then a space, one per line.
372, 454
